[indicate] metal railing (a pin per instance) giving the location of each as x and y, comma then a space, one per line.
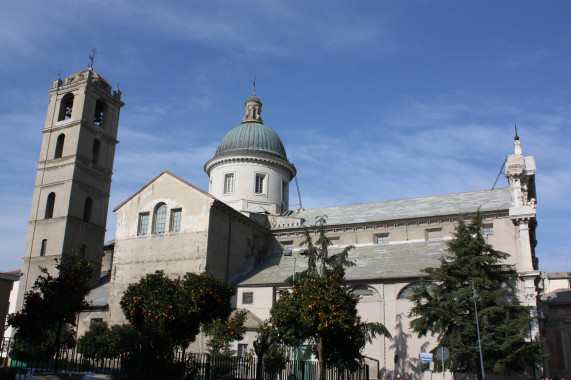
179, 366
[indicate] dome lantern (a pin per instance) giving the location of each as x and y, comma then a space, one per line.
253, 109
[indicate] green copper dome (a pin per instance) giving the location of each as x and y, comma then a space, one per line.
251, 138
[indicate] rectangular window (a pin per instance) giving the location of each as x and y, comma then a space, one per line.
433, 233
229, 183
95, 320
382, 239
287, 248
260, 179
175, 220
143, 228
242, 349
284, 191
247, 298
43, 247
488, 229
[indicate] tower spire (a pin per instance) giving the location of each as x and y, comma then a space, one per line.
517, 143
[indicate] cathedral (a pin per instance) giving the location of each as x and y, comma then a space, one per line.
243, 230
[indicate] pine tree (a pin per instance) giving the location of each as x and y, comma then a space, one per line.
444, 308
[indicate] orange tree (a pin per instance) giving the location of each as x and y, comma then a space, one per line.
168, 313
221, 332
321, 312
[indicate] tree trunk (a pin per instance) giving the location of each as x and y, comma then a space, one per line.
260, 369
260, 350
319, 347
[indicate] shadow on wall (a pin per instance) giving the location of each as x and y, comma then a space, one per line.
407, 367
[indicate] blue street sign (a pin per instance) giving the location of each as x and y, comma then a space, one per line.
425, 357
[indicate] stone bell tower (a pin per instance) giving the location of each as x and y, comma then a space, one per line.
520, 172
73, 178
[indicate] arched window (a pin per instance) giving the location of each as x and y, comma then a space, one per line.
50, 206
406, 292
99, 112
87, 209
66, 107
59, 146
363, 291
95, 151
43, 247
159, 218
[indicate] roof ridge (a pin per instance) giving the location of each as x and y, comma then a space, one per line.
154, 179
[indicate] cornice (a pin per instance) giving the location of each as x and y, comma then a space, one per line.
289, 167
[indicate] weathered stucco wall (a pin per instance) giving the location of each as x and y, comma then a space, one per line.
175, 253
235, 243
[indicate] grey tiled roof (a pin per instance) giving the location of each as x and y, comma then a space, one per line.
373, 262
439, 205
557, 297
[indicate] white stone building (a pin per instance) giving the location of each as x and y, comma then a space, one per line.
243, 231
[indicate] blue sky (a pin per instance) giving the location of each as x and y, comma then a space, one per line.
374, 100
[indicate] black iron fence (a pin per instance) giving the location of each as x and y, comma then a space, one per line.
182, 366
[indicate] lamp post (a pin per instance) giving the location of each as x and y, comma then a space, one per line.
475, 296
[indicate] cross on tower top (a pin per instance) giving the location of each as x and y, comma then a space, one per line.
92, 58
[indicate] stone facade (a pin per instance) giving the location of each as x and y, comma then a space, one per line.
73, 179
393, 242
207, 236
242, 231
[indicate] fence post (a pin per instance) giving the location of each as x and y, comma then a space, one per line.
207, 369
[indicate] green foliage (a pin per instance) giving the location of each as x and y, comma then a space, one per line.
270, 354
318, 258
447, 310
123, 339
100, 341
50, 307
320, 311
167, 314
171, 311
43, 347
96, 342
221, 332
275, 359
266, 337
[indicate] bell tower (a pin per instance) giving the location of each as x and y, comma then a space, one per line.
73, 178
